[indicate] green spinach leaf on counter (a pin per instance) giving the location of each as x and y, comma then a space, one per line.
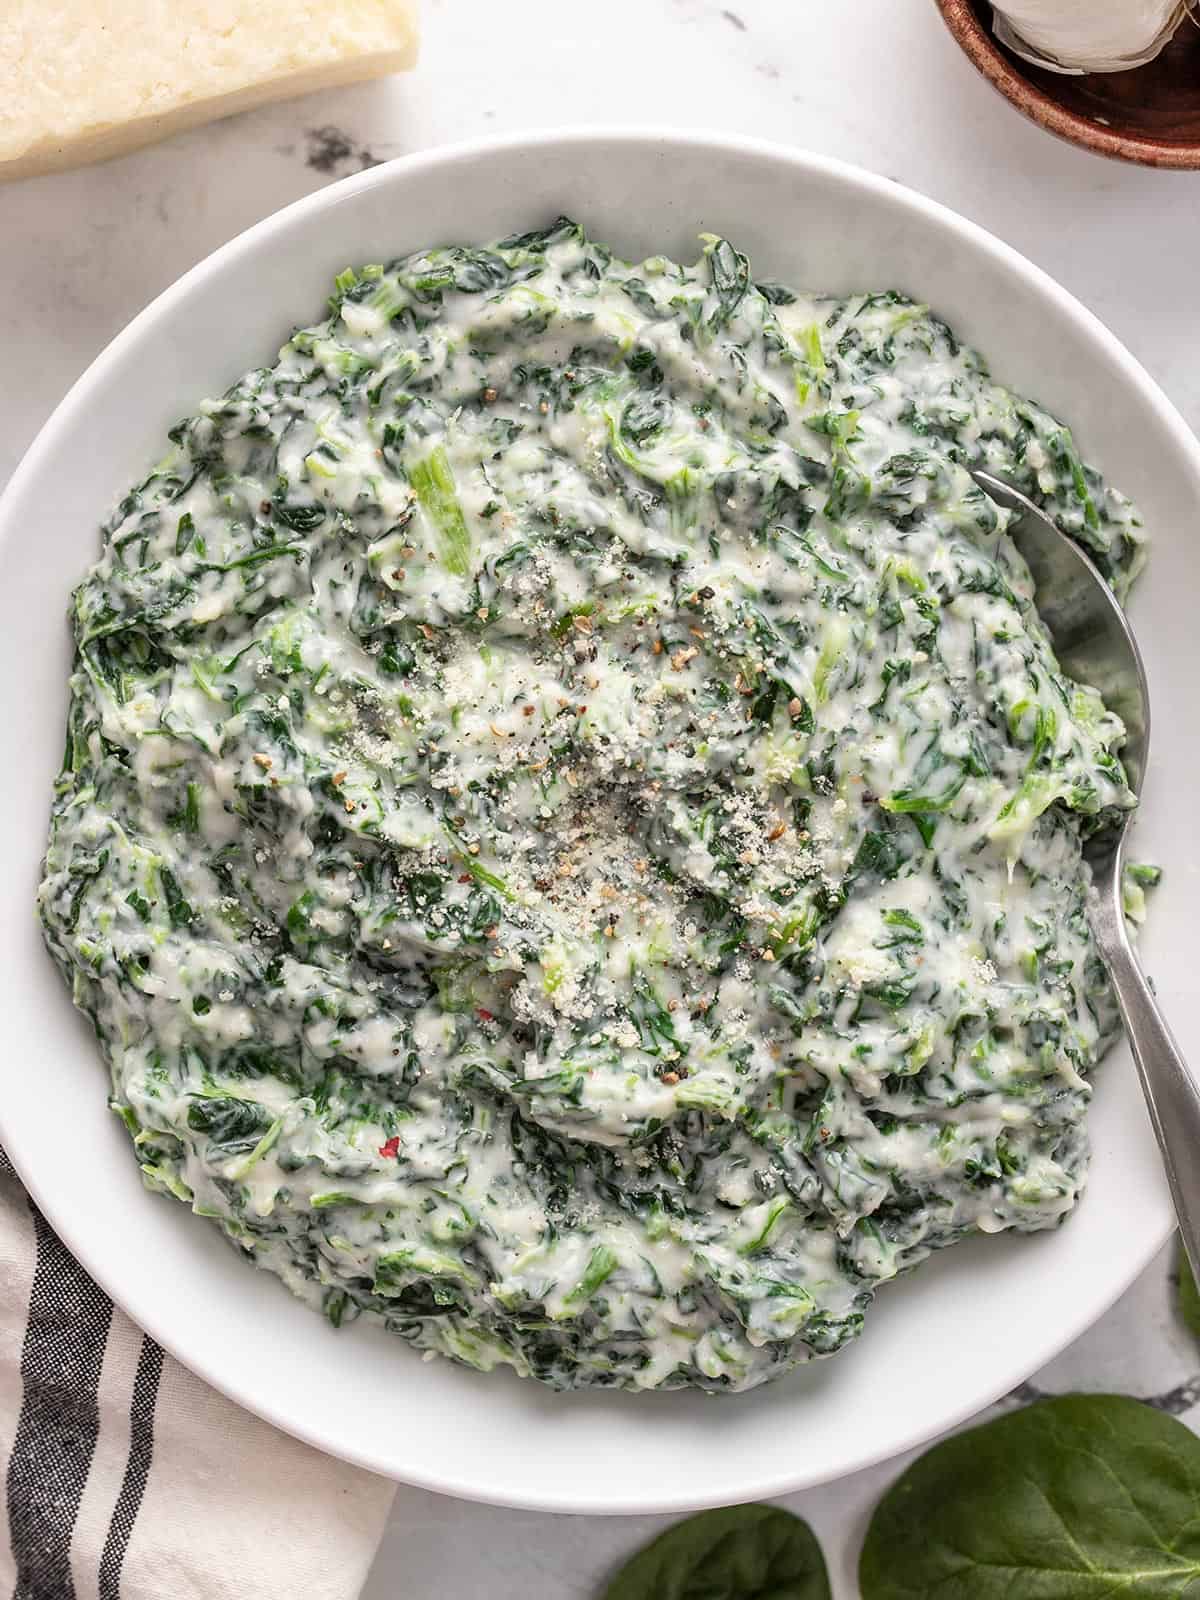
749, 1552
1084, 1497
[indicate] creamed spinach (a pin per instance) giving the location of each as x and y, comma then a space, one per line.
570, 828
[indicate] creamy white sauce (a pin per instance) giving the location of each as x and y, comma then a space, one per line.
570, 834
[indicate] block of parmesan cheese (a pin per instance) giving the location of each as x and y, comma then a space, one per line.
82, 80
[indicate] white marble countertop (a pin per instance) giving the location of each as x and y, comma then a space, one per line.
879, 83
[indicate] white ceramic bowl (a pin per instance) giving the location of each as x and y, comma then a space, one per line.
968, 1325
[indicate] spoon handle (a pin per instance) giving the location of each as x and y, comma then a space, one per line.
1172, 1094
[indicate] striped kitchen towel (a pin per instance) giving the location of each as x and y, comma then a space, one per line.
128, 1479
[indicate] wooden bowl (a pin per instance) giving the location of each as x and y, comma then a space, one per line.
1149, 114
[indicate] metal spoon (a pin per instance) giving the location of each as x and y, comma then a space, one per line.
1096, 646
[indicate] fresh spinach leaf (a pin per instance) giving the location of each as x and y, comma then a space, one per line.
1085, 1497
737, 1553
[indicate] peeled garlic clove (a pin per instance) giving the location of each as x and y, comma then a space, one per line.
1076, 36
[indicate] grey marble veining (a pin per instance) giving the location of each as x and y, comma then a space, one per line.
878, 83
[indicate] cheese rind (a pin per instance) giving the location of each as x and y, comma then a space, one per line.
81, 83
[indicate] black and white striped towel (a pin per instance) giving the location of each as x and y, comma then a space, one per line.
128, 1479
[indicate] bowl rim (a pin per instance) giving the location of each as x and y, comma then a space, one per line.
149, 1313
984, 52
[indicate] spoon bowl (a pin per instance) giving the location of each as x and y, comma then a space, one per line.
1091, 633
1096, 646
